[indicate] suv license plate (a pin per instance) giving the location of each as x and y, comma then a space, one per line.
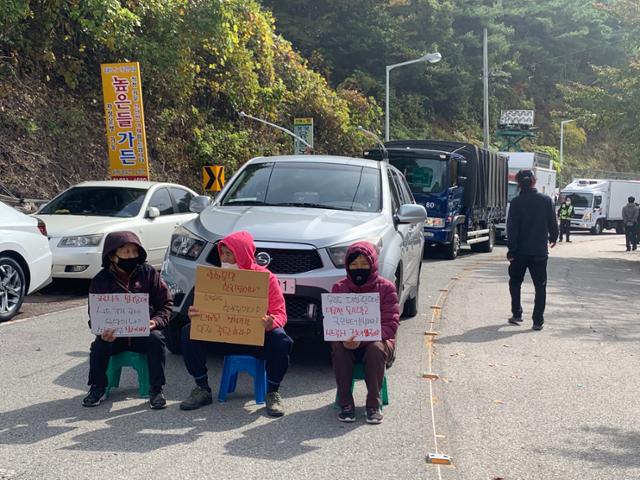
287, 285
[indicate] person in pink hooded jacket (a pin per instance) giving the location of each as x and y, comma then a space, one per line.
363, 277
238, 251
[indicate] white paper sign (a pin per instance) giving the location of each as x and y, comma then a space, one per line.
351, 314
126, 313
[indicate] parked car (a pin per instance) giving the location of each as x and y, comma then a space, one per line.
304, 212
79, 219
25, 259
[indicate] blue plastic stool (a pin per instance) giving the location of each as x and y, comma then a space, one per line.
358, 374
135, 360
234, 364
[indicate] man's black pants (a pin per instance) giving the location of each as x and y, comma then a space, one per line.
538, 270
152, 346
631, 232
565, 227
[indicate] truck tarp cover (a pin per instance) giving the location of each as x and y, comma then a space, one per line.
487, 172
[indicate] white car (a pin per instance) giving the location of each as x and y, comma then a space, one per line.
79, 219
25, 259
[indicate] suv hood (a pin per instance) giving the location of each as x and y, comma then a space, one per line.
314, 226
66, 225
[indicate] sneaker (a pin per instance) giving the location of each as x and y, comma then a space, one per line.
515, 320
94, 397
374, 416
275, 405
157, 400
199, 397
347, 414
537, 326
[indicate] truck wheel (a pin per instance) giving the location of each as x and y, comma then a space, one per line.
452, 250
486, 247
619, 228
597, 230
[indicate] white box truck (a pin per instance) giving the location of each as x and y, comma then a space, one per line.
598, 203
542, 167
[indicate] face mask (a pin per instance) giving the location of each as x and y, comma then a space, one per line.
229, 265
359, 276
128, 264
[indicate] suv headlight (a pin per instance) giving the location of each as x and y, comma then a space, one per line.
81, 240
434, 222
587, 216
185, 244
338, 253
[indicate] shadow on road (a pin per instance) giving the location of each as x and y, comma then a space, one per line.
485, 334
607, 446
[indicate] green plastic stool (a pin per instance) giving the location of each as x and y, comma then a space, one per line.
135, 360
358, 374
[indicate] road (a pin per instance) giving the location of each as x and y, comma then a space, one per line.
510, 403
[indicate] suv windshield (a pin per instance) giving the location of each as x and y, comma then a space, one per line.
97, 202
307, 184
580, 200
424, 175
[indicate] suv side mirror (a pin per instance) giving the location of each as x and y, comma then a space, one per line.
411, 213
461, 181
199, 203
152, 212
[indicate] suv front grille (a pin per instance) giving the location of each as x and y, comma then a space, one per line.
286, 262
297, 308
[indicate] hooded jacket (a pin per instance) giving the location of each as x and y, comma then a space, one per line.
389, 304
242, 246
144, 279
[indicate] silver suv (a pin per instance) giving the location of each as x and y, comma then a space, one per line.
303, 212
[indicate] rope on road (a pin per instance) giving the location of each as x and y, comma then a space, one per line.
436, 310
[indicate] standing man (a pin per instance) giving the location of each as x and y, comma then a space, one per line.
630, 218
565, 212
531, 227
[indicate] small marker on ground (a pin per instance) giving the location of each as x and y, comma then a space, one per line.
431, 334
430, 376
438, 459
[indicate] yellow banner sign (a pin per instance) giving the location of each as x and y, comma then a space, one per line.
124, 116
232, 303
212, 178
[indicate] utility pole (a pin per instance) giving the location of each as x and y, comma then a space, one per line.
485, 77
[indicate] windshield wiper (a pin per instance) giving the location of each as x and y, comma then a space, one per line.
310, 205
244, 202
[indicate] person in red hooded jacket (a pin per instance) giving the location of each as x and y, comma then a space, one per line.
363, 277
238, 251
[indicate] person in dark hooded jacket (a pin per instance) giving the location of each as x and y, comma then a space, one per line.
363, 277
124, 270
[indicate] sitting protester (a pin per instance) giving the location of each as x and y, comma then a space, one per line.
124, 271
238, 251
363, 277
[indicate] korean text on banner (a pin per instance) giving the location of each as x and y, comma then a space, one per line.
349, 315
124, 116
126, 313
232, 303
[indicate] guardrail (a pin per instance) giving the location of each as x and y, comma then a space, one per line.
25, 205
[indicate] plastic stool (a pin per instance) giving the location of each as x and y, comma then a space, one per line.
358, 374
135, 360
234, 364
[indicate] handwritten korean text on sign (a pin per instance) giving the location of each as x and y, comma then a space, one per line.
349, 315
232, 303
124, 116
126, 313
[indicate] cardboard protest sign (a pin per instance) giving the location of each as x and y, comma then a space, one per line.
232, 303
351, 314
126, 313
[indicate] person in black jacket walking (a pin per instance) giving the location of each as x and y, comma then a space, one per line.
531, 227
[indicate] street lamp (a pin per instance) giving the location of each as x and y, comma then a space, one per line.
429, 57
562, 124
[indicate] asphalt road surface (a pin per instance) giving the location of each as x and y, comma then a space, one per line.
509, 403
